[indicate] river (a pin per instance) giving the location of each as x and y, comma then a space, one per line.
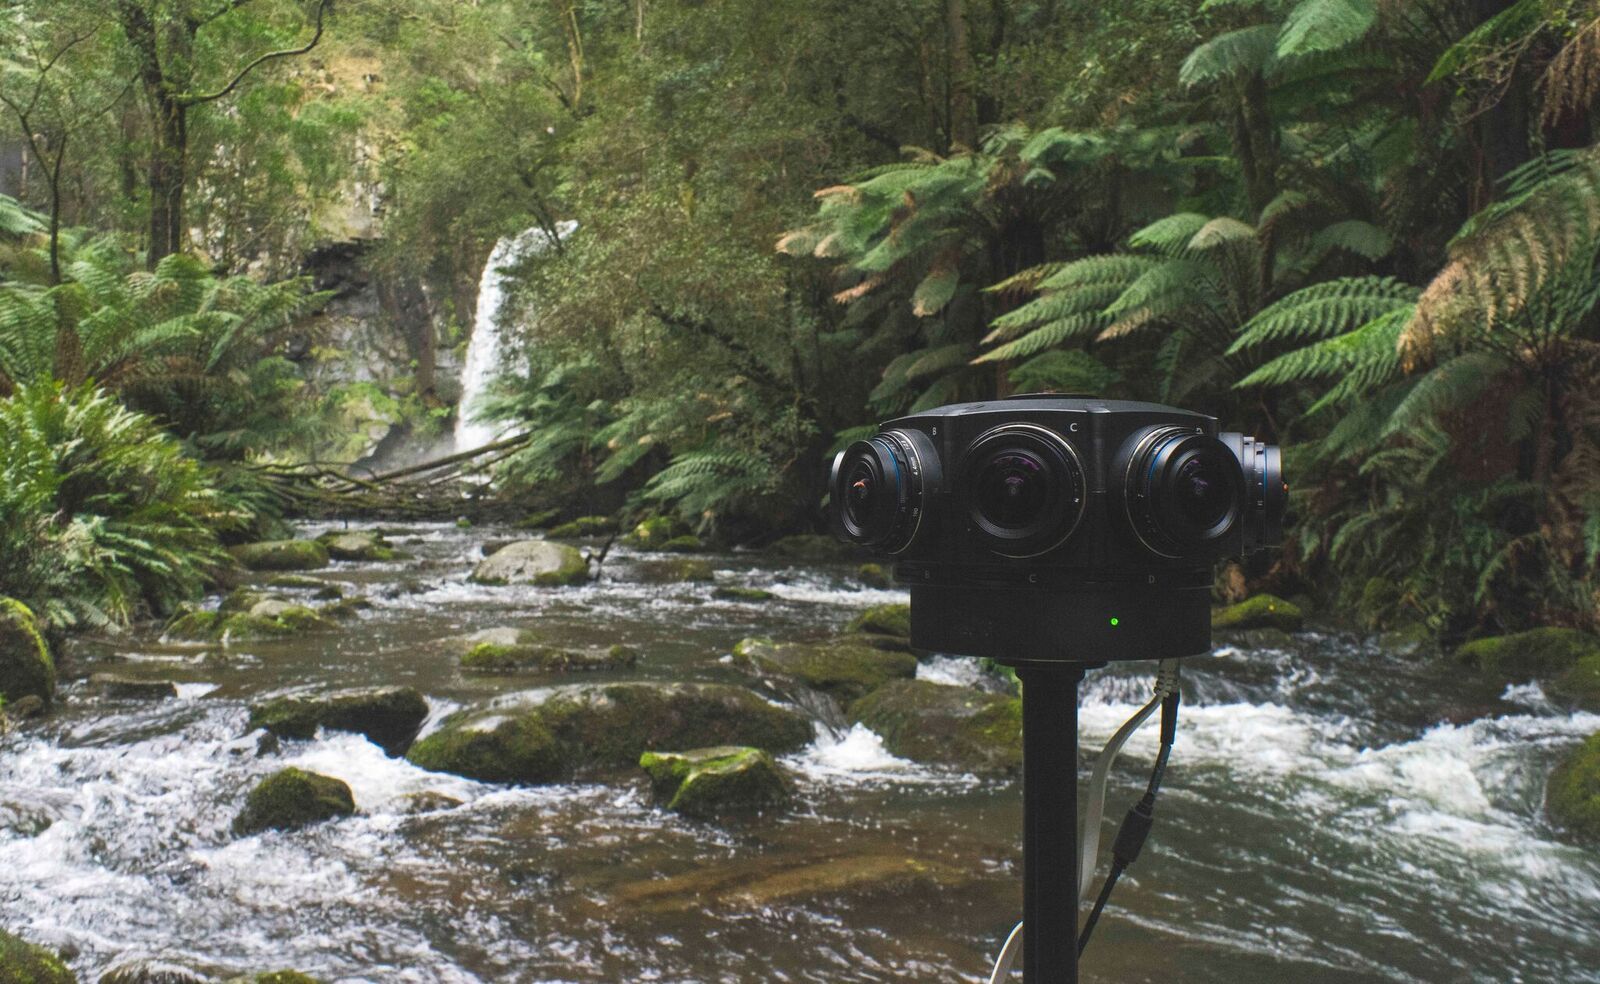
1318, 822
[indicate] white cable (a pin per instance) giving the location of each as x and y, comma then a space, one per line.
1008, 956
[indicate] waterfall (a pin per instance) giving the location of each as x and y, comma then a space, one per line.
486, 357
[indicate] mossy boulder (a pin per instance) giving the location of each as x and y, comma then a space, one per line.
345, 609
1581, 684
587, 728
688, 543
736, 593
270, 618
196, 626
933, 722
299, 582
1572, 798
293, 798
389, 717
533, 657
357, 545
1262, 611
539, 520
1538, 654
677, 570
812, 548
533, 562
845, 668
873, 576
26, 667
119, 687
889, 620
708, 783
583, 526
281, 555
22, 962
653, 533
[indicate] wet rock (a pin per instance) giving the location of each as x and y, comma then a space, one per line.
538, 520
427, 801
131, 688
889, 620
346, 609
735, 593
281, 555
873, 576
152, 972
581, 728
297, 582
932, 722
293, 798
23, 708
197, 626
269, 619
1536, 654
275, 977
845, 668
1572, 797
766, 882
22, 962
524, 657
389, 717
243, 599
677, 570
362, 545
26, 667
653, 533
583, 526
812, 548
533, 562
1262, 611
1581, 684
708, 783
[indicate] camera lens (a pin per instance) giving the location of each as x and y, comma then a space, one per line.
878, 487
1265, 492
1184, 491
1024, 487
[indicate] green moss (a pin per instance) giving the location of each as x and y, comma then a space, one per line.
891, 620
523, 657
873, 576
931, 722
389, 716
734, 593
356, 546
241, 600
678, 570
716, 782
1263, 611
683, 544
612, 726
293, 798
584, 526
538, 520
1536, 654
515, 748
22, 962
1581, 684
1572, 798
249, 627
539, 562
652, 533
26, 668
845, 668
194, 626
297, 582
284, 977
282, 555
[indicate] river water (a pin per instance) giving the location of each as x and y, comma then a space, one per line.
1318, 823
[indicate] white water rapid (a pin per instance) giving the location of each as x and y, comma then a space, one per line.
486, 355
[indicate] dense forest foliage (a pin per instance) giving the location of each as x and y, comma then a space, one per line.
1367, 229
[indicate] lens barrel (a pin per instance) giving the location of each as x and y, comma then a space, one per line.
1266, 493
1182, 491
879, 487
1023, 486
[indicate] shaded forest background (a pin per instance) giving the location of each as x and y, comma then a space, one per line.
1366, 229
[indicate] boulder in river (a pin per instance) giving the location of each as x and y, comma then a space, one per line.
708, 783
357, 545
26, 668
531, 656
389, 717
677, 570
889, 620
533, 562
873, 576
151, 972
583, 526
293, 798
22, 962
1262, 611
845, 668
738, 593
1572, 798
1536, 654
120, 687
275, 977
653, 533
933, 722
579, 728
195, 626
281, 555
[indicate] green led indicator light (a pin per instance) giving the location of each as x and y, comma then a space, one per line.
1114, 620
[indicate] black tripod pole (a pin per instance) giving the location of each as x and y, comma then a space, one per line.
1050, 822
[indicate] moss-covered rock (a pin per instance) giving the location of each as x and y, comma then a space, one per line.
812, 548
889, 620
26, 667
196, 626
575, 729
1263, 611
583, 526
529, 657
873, 575
281, 555
533, 562
845, 668
357, 545
688, 543
119, 687
653, 533
22, 962
1533, 655
1572, 798
1581, 684
298, 582
716, 782
736, 593
293, 798
389, 717
272, 618
346, 609
539, 520
276, 977
677, 570
932, 722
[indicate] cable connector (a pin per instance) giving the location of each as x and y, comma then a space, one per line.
1131, 835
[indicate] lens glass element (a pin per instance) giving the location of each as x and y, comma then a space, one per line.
1012, 490
1203, 492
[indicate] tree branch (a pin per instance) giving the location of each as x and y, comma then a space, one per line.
189, 99
746, 357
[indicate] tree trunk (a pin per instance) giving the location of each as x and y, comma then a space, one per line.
1255, 142
168, 171
962, 111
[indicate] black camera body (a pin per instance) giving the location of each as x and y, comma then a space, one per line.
1056, 529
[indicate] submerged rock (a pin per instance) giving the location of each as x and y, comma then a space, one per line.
677, 570
767, 881
1262, 611
152, 972
715, 782
281, 555
1572, 798
735, 593
120, 687
389, 717
583, 526
26, 668
530, 656
276, 977
580, 728
427, 801
293, 798
533, 562
889, 620
357, 545
933, 722
845, 668
22, 962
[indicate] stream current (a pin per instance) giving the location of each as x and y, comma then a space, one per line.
1318, 822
